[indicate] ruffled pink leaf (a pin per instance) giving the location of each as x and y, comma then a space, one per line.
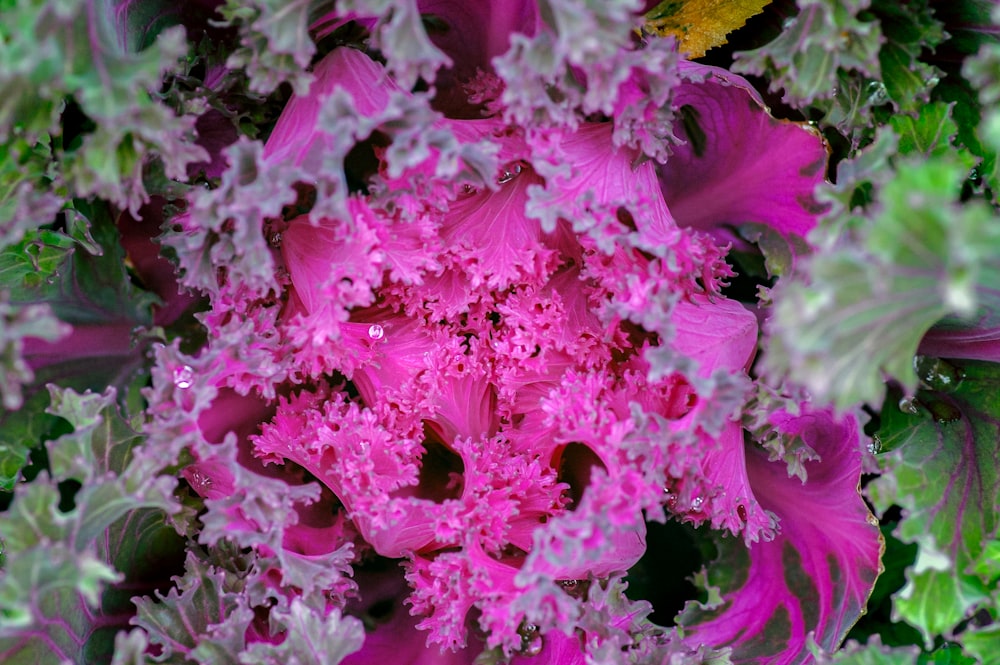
811, 582
394, 637
348, 71
717, 333
739, 165
604, 190
497, 243
471, 34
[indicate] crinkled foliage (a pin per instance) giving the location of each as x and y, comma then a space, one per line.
463, 332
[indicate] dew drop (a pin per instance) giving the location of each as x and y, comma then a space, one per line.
183, 377
531, 640
741, 510
509, 174
937, 374
909, 405
276, 239
697, 503
376, 332
877, 94
875, 445
575, 588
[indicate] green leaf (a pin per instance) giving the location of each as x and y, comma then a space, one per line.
67, 55
983, 73
19, 322
940, 466
83, 278
186, 621
846, 62
315, 637
929, 133
98, 445
982, 644
275, 45
80, 275
67, 552
27, 196
875, 653
908, 30
826, 36
63, 621
969, 24
919, 257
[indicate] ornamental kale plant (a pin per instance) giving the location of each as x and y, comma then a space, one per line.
529, 332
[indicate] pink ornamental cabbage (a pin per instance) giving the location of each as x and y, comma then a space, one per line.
502, 356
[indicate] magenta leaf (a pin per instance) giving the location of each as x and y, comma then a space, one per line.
813, 580
740, 165
976, 338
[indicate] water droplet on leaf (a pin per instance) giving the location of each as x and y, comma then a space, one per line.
877, 94
531, 640
509, 173
909, 405
875, 445
575, 588
183, 377
376, 332
937, 374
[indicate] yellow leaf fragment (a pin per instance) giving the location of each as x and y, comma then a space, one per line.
700, 25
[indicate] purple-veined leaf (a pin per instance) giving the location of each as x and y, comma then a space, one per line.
866, 308
60, 588
202, 619
873, 653
940, 452
813, 580
315, 637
